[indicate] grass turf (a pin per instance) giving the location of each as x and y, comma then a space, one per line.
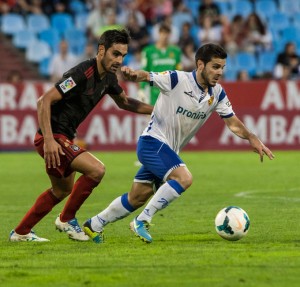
186, 250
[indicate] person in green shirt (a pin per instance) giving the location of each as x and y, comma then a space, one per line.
159, 57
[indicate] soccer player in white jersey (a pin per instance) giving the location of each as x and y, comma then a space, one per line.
186, 101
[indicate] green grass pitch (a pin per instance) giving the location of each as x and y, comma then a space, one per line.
186, 250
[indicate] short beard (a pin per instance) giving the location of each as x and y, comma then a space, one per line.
204, 77
104, 66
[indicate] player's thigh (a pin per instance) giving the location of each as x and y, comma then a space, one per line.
62, 186
140, 193
88, 164
157, 157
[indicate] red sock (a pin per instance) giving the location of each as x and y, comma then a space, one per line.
83, 187
42, 206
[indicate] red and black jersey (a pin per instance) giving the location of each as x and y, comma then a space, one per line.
81, 89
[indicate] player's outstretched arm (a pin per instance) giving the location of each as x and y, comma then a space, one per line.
238, 128
135, 75
132, 105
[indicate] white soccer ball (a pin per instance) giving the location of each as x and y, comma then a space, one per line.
232, 223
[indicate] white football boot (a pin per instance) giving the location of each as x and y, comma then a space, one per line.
72, 228
31, 236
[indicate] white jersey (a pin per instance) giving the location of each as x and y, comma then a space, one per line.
183, 107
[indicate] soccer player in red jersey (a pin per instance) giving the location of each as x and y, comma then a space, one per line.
60, 111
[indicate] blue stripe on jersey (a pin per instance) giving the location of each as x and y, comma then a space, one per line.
150, 123
222, 96
227, 116
194, 75
176, 186
125, 202
174, 79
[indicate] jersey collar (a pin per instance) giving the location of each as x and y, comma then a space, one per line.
209, 87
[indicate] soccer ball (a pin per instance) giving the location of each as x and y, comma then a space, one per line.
232, 223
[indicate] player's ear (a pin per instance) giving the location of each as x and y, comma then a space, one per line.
101, 50
200, 65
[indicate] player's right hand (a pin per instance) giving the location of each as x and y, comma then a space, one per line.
52, 152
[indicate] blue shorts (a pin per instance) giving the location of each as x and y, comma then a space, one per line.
157, 158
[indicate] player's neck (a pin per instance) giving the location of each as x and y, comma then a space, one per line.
101, 70
201, 83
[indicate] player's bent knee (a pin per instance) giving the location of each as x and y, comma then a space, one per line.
97, 173
189, 181
61, 194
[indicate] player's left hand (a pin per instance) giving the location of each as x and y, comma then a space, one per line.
260, 148
129, 74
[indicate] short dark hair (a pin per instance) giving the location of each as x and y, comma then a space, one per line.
208, 51
164, 28
114, 36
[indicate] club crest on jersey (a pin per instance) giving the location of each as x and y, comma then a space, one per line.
75, 147
228, 104
211, 99
67, 85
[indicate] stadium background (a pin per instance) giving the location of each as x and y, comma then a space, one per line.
31, 32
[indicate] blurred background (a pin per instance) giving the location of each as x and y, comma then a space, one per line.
40, 40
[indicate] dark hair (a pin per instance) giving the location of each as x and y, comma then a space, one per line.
208, 51
164, 28
259, 23
114, 36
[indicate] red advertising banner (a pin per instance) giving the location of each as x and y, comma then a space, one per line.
271, 109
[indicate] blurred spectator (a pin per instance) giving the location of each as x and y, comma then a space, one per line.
111, 22
211, 9
43, 6
89, 52
7, 6
139, 34
148, 9
128, 8
188, 57
181, 15
135, 61
31, 6
14, 77
287, 64
209, 33
62, 62
61, 6
257, 38
174, 34
232, 33
97, 19
186, 37
160, 57
243, 76
163, 9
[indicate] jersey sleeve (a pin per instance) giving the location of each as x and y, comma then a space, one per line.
71, 81
224, 107
165, 81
